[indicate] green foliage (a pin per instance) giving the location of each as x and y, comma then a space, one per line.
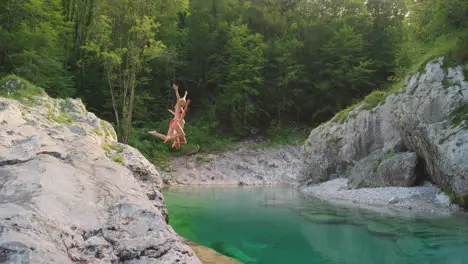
61, 117
242, 62
374, 99
344, 114
459, 115
201, 158
115, 147
118, 159
108, 132
33, 35
446, 83
18, 88
96, 131
250, 67
461, 201
389, 155
435, 28
278, 136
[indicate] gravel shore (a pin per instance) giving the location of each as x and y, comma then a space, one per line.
419, 199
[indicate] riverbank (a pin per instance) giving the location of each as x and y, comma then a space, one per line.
246, 163
426, 199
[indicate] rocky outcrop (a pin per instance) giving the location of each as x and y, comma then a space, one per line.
420, 129
70, 193
245, 164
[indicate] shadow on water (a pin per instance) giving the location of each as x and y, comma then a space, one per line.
277, 225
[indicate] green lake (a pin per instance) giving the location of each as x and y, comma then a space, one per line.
278, 225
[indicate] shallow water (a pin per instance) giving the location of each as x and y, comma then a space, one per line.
277, 225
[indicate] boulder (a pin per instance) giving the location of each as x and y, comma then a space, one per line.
399, 170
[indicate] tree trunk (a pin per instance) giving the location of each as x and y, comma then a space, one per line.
114, 103
130, 109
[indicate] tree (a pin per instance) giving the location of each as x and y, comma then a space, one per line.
239, 76
124, 44
33, 35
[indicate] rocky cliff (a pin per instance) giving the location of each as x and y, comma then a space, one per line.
70, 193
415, 133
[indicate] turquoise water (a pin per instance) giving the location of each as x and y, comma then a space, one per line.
277, 225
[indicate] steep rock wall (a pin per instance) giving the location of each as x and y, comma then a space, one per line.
426, 117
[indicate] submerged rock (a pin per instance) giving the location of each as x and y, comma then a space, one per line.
426, 118
70, 193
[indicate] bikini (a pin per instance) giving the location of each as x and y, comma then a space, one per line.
174, 119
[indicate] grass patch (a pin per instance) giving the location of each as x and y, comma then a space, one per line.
61, 118
389, 155
459, 115
461, 200
374, 99
446, 83
108, 132
66, 106
344, 114
201, 158
370, 101
96, 131
377, 163
15, 87
118, 159
116, 147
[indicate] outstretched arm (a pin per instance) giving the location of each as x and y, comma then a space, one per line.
176, 89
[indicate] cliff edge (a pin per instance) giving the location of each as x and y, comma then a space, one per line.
70, 193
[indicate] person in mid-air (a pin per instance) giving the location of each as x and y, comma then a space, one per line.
179, 137
176, 132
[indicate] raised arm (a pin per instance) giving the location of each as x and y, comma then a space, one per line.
176, 89
185, 109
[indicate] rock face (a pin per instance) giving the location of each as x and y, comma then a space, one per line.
243, 166
421, 129
69, 193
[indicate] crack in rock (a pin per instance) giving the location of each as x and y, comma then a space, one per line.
13, 162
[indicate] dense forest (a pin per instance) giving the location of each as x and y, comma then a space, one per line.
250, 67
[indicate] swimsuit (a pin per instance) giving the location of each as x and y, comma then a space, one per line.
174, 119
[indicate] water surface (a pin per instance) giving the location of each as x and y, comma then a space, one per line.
277, 225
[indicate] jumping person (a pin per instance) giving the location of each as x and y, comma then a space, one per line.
176, 126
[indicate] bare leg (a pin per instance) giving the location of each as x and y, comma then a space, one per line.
179, 132
156, 134
182, 140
